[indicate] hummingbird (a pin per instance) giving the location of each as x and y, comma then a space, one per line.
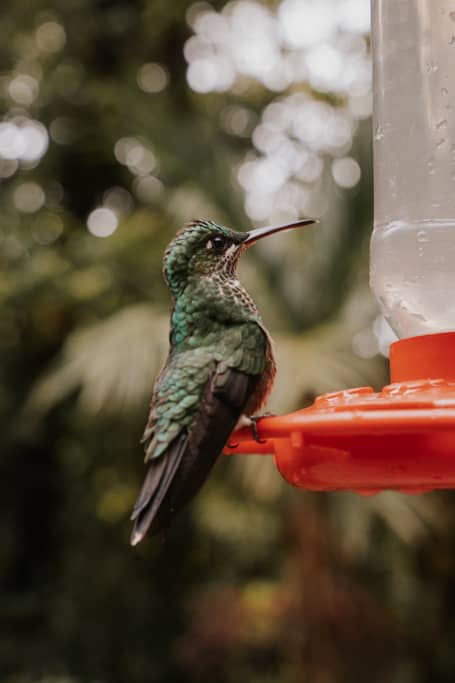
218, 373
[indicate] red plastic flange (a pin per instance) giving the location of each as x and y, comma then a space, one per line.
402, 438
431, 355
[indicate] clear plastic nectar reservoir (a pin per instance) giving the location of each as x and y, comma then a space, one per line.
413, 243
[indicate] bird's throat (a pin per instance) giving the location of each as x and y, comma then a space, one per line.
206, 308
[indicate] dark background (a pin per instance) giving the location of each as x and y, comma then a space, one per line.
156, 112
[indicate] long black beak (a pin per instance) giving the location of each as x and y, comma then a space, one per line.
254, 235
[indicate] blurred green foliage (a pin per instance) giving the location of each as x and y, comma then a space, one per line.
255, 582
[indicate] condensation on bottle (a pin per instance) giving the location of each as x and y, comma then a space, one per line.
413, 242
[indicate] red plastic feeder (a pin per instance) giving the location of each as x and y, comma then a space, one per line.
402, 438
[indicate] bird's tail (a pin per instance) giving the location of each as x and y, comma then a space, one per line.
158, 479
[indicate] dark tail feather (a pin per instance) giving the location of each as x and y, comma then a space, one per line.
178, 474
158, 479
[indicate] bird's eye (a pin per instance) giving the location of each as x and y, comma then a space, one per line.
216, 243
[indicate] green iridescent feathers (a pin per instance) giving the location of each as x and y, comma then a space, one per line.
214, 326
181, 384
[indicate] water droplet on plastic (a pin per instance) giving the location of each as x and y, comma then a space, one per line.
440, 143
444, 91
441, 124
419, 264
418, 316
379, 133
432, 67
452, 40
422, 236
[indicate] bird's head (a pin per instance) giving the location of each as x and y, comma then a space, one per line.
203, 248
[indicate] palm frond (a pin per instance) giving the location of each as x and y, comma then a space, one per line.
113, 363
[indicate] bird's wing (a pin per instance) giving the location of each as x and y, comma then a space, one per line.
180, 386
175, 398
194, 410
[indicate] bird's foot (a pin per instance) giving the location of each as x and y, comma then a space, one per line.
250, 421
253, 426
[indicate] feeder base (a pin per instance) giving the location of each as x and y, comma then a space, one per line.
402, 438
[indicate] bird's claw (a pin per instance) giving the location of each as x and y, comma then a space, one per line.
254, 429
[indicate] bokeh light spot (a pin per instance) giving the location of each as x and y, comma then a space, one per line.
47, 228
102, 222
12, 143
236, 120
23, 139
8, 167
134, 154
355, 16
50, 37
324, 64
202, 75
152, 78
23, 89
147, 188
29, 197
195, 10
62, 130
118, 200
346, 172
306, 22
36, 141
